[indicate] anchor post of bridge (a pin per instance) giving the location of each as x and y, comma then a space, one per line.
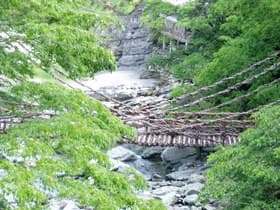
223, 132
198, 148
4, 127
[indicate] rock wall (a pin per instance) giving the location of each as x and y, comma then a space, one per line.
133, 45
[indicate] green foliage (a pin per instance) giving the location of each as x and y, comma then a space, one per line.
247, 175
63, 156
167, 60
14, 64
226, 37
62, 32
153, 14
185, 70
126, 6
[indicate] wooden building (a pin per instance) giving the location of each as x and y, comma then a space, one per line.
176, 34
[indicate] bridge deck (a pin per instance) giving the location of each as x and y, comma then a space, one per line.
158, 124
183, 140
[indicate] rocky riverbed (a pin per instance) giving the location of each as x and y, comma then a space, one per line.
175, 175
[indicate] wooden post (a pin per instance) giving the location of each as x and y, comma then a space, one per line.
4, 127
163, 43
223, 132
198, 148
170, 46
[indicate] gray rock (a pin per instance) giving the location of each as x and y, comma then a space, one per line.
196, 178
135, 148
209, 149
156, 176
190, 199
179, 208
209, 207
71, 206
118, 166
193, 192
175, 154
165, 190
152, 152
178, 184
150, 74
194, 186
196, 208
3, 173
63, 205
169, 198
122, 96
167, 194
205, 167
122, 154
132, 45
182, 175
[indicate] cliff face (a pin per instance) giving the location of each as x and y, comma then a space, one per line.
133, 45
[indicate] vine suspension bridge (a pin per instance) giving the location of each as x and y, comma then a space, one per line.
159, 123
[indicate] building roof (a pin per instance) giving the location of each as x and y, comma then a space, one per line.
172, 18
177, 2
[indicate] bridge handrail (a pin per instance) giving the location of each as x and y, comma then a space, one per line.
251, 111
227, 79
229, 89
243, 96
183, 98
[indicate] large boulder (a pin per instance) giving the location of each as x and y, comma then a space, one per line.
63, 205
122, 154
191, 189
152, 152
176, 154
167, 194
190, 199
181, 175
118, 166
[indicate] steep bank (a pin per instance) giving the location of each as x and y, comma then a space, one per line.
132, 45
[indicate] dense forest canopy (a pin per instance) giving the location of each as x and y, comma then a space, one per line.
59, 32
226, 37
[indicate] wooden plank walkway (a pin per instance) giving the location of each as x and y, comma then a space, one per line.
184, 140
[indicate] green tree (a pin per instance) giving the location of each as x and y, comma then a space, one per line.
62, 32
61, 156
226, 37
247, 175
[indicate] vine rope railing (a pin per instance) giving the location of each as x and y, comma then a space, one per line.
203, 89
262, 87
227, 79
229, 89
172, 126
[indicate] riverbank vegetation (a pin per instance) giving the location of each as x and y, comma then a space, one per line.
63, 156
246, 175
227, 37
59, 151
